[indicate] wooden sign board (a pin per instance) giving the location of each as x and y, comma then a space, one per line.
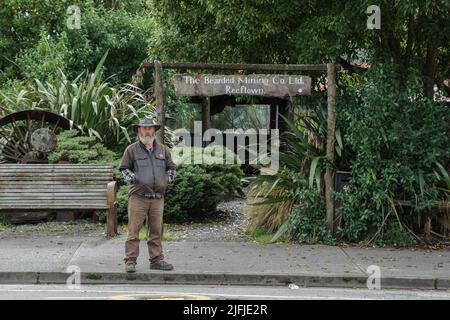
272, 85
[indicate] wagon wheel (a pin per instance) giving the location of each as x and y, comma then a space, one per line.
27, 136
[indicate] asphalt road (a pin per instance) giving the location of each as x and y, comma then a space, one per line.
133, 292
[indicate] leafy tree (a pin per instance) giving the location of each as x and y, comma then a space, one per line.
413, 34
401, 150
223, 31
21, 24
124, 34
34, 37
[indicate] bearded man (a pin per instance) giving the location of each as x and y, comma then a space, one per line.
147, 165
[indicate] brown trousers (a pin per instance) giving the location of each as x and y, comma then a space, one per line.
139, 209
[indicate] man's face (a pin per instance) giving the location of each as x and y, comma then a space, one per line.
147, 131
146, 135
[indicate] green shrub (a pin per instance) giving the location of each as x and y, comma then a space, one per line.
228, 176
391, 234
212, 154
199, 188
79, 149
122, 203
76, 148
122, 33
289, 208
306, 222
401, 145
42, 61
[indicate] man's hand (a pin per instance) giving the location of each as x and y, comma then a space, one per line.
171, 173
128, 175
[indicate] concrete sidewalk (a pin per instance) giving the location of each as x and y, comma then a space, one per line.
44, 259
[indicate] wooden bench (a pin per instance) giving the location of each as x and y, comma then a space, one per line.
59, 187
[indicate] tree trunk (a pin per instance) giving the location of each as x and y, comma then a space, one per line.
160, 98
408, 52
206, 114
331, 124
430, 69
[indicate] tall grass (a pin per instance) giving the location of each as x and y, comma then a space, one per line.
270, 198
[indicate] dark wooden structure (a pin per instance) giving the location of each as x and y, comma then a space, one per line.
27, 136
276, 105
59, 187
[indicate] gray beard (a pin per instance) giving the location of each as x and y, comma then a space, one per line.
147, 139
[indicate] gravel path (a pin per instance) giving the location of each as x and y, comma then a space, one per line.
74, 228
229, 224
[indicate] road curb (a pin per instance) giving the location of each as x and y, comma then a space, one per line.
222, 279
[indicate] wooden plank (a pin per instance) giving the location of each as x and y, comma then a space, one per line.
57, 178
57, 174
38, 196
46, 193
40, 167
49, 182
59, 206
50, 202
58, 164
24, 185
241, 66
67, 180
52, 167
74, 199
74, 179
51, 187
54, 187
268, 85
64, 175
16, 192
24, 216
53, 202
75, 171
32, 189
55, 169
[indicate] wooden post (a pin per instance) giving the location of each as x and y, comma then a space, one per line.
160, 107
284, 109
290, 111
159, 96
273, 116
206, 114
111, 220
331, 126
65, 216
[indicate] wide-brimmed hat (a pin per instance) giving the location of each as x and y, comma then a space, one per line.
148, 122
